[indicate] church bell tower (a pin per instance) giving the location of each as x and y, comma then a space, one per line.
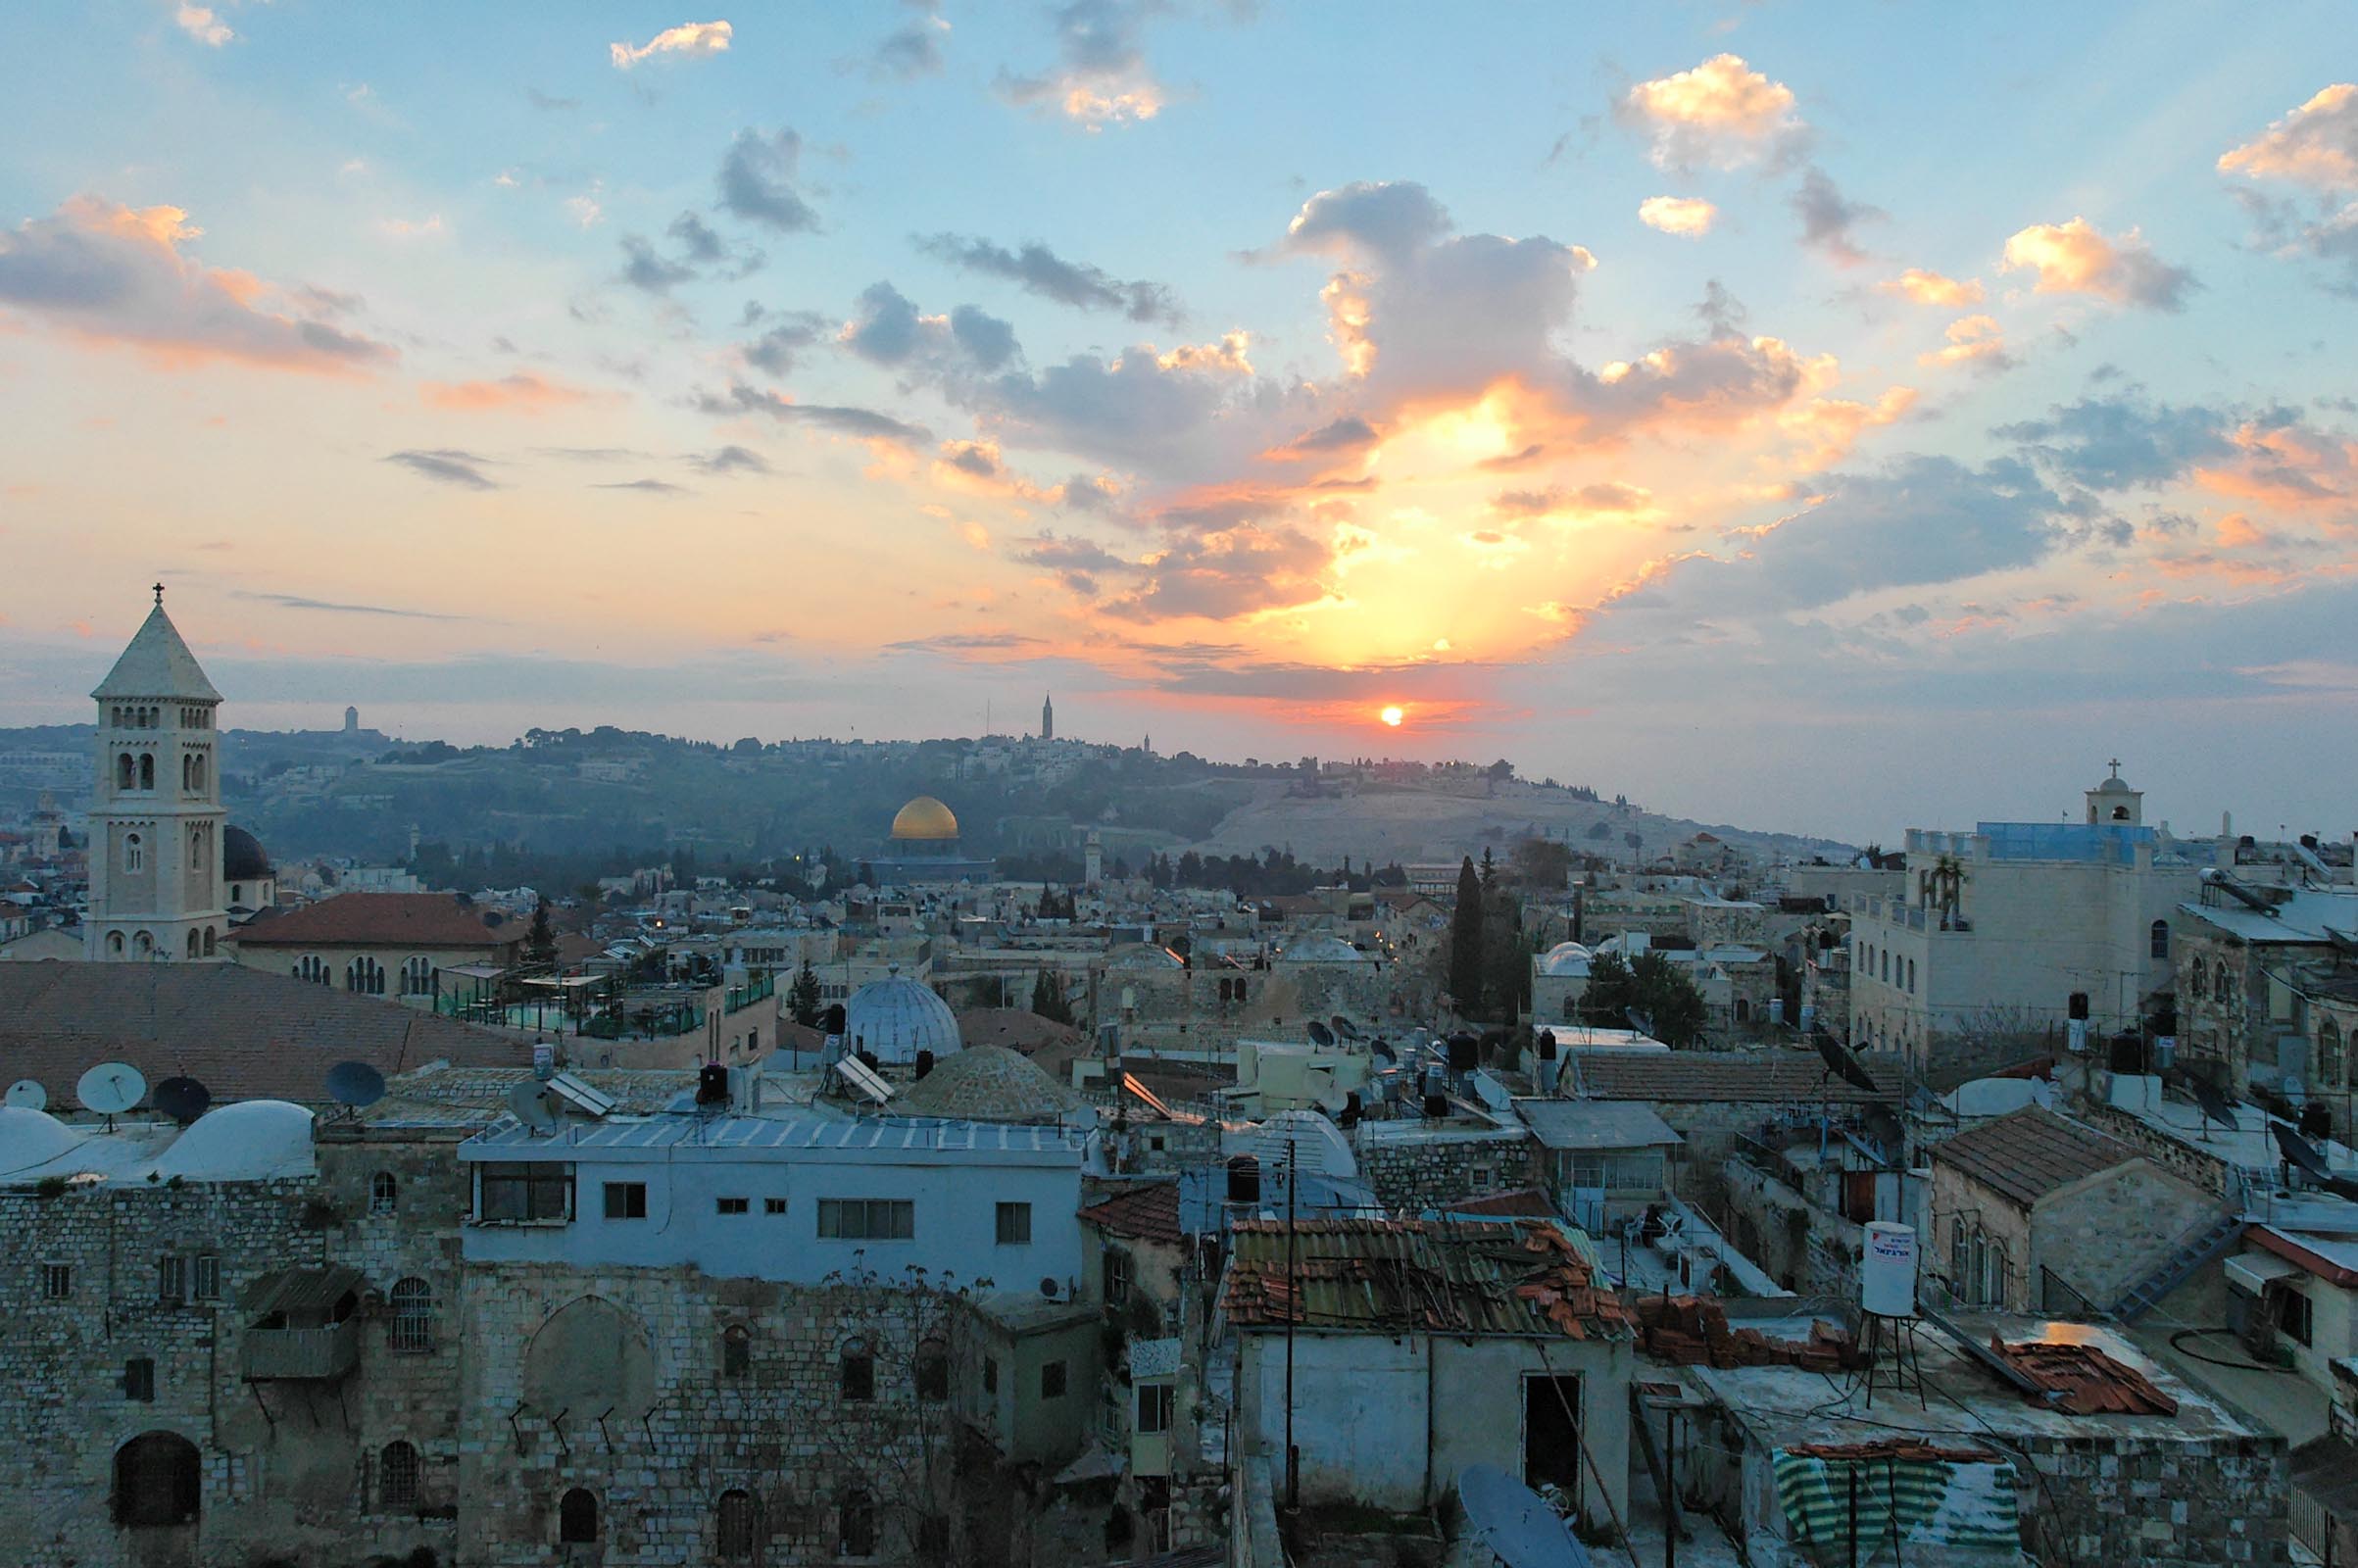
156, 817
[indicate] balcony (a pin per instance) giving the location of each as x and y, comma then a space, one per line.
302, 1356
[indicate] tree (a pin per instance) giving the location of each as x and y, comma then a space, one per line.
540, 943
1505, 959
803, 998
1613, 992
1466, 940
1047, 997
1490, 870
1541, 863
1668, 1000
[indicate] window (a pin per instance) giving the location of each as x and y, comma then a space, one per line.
1117, 1276
2159, 939
2292, 1315
365, 976
147, 771
1479, 1175
412, 1328
57, 1281
397, 1476
933, 1370
159, 1482
733, 1535
384, 1193
856, 1526
207, 1271
122, 771
1155, 1406
139, 1379
134, 852
858, 1371
523, 1190
196, 943
773, 1205
416, 977
730, 1205
1014, 1224
625, 1200
990, 1374
866, 1219
577, 1518
736, 1350
114, 943
171, 1280
212, 937
1051, 1379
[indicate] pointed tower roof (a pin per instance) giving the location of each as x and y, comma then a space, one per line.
156, 664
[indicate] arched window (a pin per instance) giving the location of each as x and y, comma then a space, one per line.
2158, 939
143, 946
1885, 961
2329, 1052
114, 943
384, 1193
1240, 989
733, 1539
736, 1350
147, 771
857, 1372
199, 769
366, 976
1911, 977
397, 1476
187, 771
577, 1518
134, 852
196, 944
211, 939
933, 1370
196, 848
417, 977
856, 1525
159, 1482
413, 1326
124, 776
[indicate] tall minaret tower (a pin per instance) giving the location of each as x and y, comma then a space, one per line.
1048, 718
156, 816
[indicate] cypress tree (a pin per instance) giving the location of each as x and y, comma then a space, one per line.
1466, 940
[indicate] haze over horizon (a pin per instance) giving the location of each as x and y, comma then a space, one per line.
1822, 421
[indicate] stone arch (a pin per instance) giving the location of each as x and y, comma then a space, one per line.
159, 1482
590, 1354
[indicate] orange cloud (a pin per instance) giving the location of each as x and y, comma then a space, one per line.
1972, 340
1931, 288
2077, 258
2289, 466
1688, 216
1828, 427
521, 393
2315, 145
1721, 113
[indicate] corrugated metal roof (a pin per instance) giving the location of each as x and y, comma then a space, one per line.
299, 1291
880, 1137
1595, 1124
1525, 1277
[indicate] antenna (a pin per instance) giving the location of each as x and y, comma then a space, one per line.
531, 1104
182, 1098
110, 1088
354, 1085
26, 1094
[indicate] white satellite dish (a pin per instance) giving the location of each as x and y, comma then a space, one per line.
531, 1104
26, 1094
111, 1086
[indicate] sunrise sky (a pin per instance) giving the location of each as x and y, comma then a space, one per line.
1828, 418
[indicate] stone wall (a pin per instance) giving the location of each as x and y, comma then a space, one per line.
2189, 1164
1438, 1167
2120, 1499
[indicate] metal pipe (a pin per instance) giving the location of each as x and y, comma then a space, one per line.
1293, 1311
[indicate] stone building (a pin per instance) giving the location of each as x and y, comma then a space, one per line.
2268, 990
382, 943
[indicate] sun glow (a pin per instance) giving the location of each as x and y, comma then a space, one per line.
1393, 716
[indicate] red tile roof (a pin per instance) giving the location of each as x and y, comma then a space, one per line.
1900, 1448
2031, 1152
1142, 1211
1512, 1277
2091, 1381
385, 919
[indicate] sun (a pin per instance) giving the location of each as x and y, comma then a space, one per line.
1393, 716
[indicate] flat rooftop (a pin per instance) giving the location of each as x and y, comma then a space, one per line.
880, 1140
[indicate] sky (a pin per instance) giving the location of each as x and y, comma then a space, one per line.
1828, 418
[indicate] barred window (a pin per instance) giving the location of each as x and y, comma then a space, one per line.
412, 1327
397, 1476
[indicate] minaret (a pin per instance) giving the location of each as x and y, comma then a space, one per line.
156, 814
1048, 718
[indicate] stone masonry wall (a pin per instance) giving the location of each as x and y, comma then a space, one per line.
2122, 1500
1423, 1173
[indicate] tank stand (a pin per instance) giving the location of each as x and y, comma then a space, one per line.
1894, 1337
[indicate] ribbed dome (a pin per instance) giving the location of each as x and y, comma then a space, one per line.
1565, 959
1318, 947
242, 856
989, 1083
893, 1019
924, 819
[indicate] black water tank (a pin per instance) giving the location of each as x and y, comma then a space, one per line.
925, 1062
1465, 1053
1547, 1045
2317, 1119
1244, 1180
1437, 1105
712, 1084
831, 1021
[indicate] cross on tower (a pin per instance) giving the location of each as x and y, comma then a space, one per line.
158, 596
2114, 765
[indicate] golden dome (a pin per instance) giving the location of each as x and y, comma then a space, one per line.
925, 820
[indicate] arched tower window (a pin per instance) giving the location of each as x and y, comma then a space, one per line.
143, 946
134, 852
147, 771
114, 943
212, 937
736, 1350
196, 944
126, 772
2328, 1053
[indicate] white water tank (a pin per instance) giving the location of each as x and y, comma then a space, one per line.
1887, 1275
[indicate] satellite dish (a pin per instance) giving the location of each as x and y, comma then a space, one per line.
354, 1084
110, 1087
1844, 1065
1509, 1518
2216, 1107
1320, 1034
1344, 1027
183, 1100
26, 1094
531, 1104
2298, 1150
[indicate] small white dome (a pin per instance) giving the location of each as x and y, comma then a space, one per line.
29, 1138
1318, 1144
1565, 959
1319, 948
250, 1140
893, 1019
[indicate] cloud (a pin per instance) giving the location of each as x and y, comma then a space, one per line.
913, 51
550, 105
447, 465
296, 602
1931, 288
1975, 341
1720, 114
2075, 258
652, 487
864, 424
523, 393
113, 274
732, 460
1602, 498
647, 271
584, 210
780, 349
1100, 76
2315, 145
1348, 434
2123, 442
1828, 218
690, 40
2278, 460
1077, 562
1687, 216
757, 182
886, 329
1828, 427
1222, 573
1037, 270
202, 25
426, 227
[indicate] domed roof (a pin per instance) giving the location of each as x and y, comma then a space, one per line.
251, 1140
1565, 959
924, 819
893, 1019
29, 1138
989, 1083
1315, 1142
242, 856
1319, 948
2115, 785
1144, 955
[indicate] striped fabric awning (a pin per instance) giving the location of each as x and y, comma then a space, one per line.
1940, 1497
